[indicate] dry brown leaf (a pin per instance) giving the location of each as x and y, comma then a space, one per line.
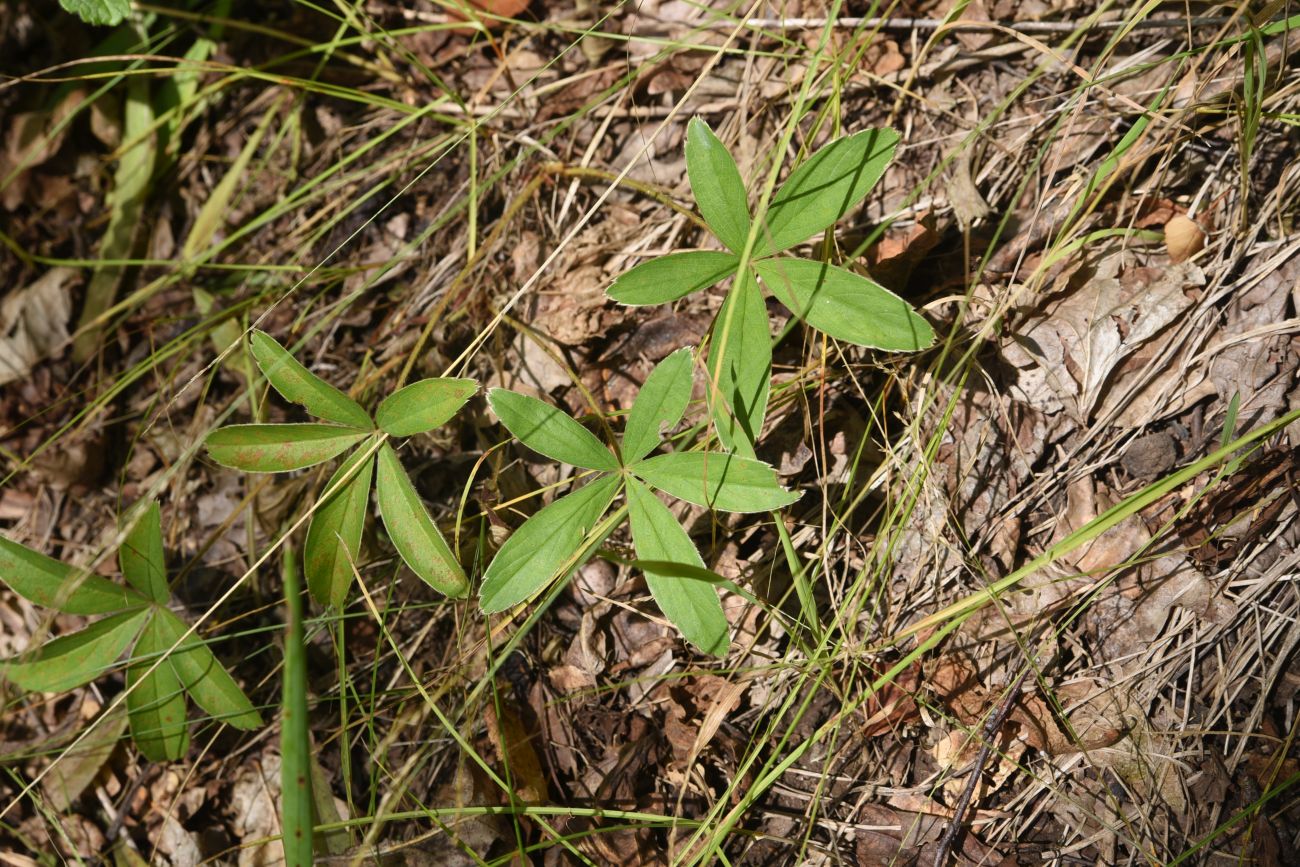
1183, 238
34, 322
515, 751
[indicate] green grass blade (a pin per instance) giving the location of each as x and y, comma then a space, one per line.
204, 677
72, 660
691, 604
334, 535
727, 483
422, 406
297, 384
413, 532
276, 448
295, 738
670, 277
716, 183
845, 305
659, 405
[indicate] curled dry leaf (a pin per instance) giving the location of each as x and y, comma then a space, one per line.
1183, 238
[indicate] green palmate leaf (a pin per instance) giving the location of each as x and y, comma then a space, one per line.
727, 483
659, 405
550, 431
203, 677
155, 701
845, 305
141, 556
51, 584
691, 604
717, 185
740, 365
275, 448
295, 734
825, 187
537, 552
334, 536
72, 660
413, 532
110, 12
423, 406
673, 276
299, 385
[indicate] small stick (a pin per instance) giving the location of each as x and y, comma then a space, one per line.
963, 804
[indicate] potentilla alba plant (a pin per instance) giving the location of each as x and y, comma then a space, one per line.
334, 536
551, 544
834, 300
137, 617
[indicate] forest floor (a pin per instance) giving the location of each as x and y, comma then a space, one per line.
1035, 522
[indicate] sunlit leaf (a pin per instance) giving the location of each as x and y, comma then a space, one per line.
740, 362
141, 556
297, 384
155, 701
716, 183
727, 483
659, 405
674, 276
413, 532
845, 305
52, 584
550, 431
204, 677
823, 189
104, 12
334, 535
72, 660
274, 448
537, 553
662, 546
423, 406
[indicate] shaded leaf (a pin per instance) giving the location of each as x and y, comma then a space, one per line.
334, 535
295, 736
424, 405
107, 12
660, 404
78, 766
297, 384
717, 185
52, 584
727, 483
740, 363
413, 532
823, 189
203, 676
141, 556
845, 305
692, 605
155, 701
670, 277
549, 431
72, 660
538, 552
275, 448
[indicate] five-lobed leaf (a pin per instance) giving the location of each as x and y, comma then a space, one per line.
297, 384
334, 535
716, 183
823, 189
423, 406
155, 700
276, 448
845, 305
720, 481
674, 276
545, 547
740, 364
52, 584
413, 532
660, 404
669, 558
203, 677
550, 431
70, 661
141, 556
